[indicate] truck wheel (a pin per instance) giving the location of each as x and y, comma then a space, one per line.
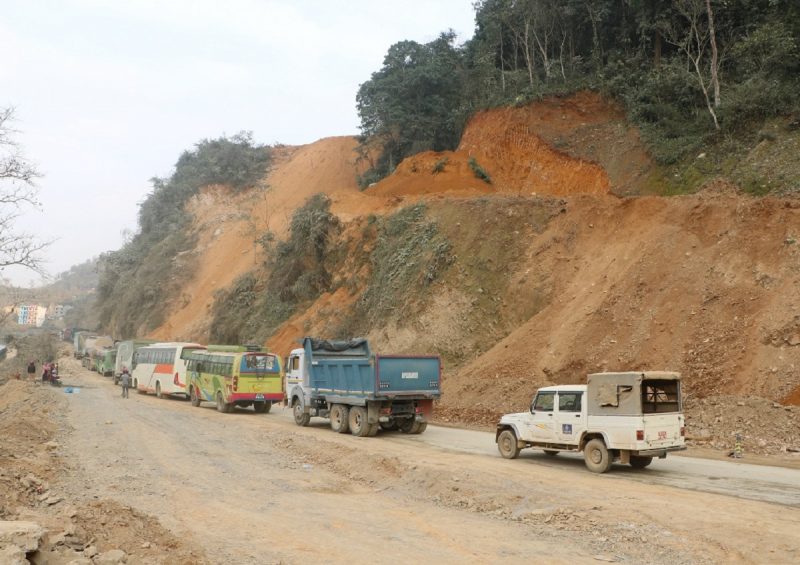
116, 380
551, 452
300, 417
406, 425
339, 416
358, 422
260, 407
419, 427
507, 444
194, 397
596, 456
639, 462
373, 430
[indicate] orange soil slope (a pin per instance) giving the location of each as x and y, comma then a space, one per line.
228, 224
516, 146
705, 284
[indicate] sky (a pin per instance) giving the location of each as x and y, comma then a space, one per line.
108, 93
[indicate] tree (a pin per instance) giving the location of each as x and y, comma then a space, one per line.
691, 32
17, 189
413, 103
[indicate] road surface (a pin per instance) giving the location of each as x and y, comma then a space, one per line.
250, 488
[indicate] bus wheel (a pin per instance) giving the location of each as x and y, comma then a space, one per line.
267, 407
260, 407
158, 390
339, 413
195, 399
221, 406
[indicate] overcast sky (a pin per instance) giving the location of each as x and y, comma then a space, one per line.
108, 93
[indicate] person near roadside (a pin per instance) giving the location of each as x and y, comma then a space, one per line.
45, 373
125, 381
31, 370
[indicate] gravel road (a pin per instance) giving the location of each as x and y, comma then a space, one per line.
250, 488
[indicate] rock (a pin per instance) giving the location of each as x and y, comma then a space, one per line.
80, 561
90, 551
25, 535
111, 557
605, 558
51, 445
146, 545
53, 500
12, 555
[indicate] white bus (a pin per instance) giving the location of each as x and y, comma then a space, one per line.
161, 368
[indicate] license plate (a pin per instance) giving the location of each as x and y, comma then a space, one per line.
259, 397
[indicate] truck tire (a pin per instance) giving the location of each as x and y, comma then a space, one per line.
300, 417
358, 422
596, 456
194, 397
261, 407
406, 425
419, 427
373, 430
507, 444
339, 418
640, 462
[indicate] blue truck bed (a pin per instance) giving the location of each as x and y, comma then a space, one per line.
351, 370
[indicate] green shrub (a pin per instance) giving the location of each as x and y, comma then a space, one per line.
409, 252
439, 166
479, 171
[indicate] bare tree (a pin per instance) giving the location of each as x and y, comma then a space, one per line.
692, 36
17, 189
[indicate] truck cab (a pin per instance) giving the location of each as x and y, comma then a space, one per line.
628, 417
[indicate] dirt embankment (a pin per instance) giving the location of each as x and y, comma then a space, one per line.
553, 275
60, 528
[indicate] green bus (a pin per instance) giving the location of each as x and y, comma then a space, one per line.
233, 376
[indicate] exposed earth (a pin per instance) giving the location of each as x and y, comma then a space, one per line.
165, 482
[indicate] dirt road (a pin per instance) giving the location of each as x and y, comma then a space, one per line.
250, 488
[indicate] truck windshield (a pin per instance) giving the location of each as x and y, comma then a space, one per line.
660, 396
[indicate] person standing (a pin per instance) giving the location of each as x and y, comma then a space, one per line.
125, 381
31, 370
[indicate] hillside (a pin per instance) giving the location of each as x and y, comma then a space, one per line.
542, 276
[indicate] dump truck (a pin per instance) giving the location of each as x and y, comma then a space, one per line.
359, 391
630, 417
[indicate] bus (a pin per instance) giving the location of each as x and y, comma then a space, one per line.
125, 351
233, 376
161, 368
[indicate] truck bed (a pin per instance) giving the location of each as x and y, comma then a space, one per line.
389, 377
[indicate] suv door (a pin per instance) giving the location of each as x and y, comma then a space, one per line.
541, 422
569, 421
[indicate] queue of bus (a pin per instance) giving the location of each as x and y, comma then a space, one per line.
227, 375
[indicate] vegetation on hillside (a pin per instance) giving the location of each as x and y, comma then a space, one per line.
691, 73
296, 271
137, 281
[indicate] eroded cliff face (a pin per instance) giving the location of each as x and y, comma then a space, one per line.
551, 274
